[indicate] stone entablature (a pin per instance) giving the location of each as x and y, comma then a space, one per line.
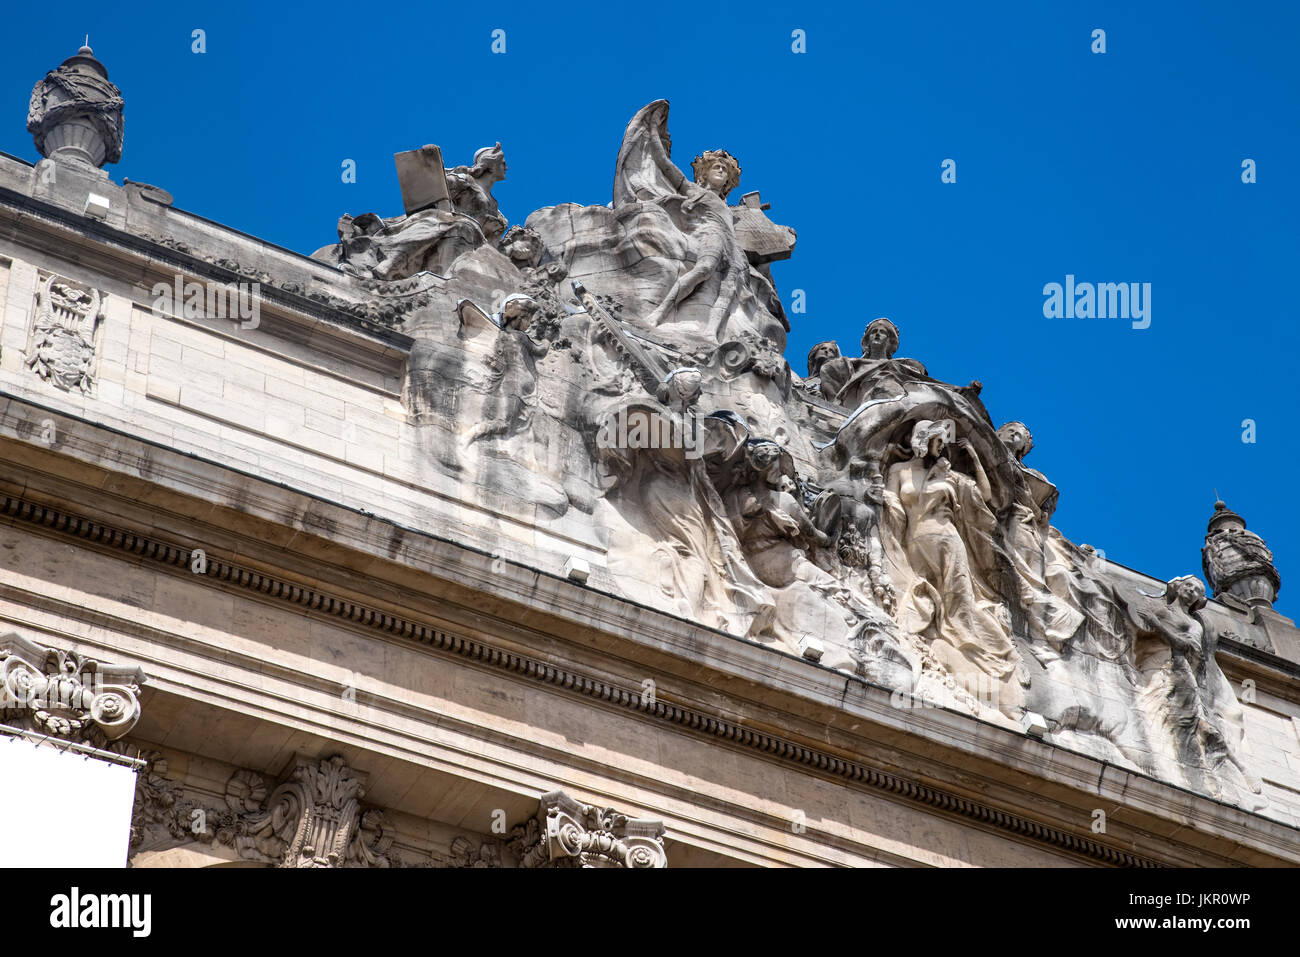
315, 818
794, 749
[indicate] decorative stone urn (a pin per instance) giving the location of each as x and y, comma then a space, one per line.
1236, 562
76, 113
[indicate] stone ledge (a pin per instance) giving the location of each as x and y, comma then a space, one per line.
537, 670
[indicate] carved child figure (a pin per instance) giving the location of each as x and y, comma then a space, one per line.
523, 246
862, 497
775, 532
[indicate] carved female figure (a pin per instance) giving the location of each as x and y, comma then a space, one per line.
1186, 692
937, 520
818, 356
646, 173
470, 188
1052, 617
850, 381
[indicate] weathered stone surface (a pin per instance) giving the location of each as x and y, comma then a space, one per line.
65, 694
63, 346
1237, 564
76, 113
547, 508
422, 179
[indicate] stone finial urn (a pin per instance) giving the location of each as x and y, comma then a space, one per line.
76, 113
1236, 562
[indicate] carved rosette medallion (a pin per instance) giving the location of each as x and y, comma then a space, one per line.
63, 345
65, 694
566, 833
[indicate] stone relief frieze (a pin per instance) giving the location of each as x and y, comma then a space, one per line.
625, 361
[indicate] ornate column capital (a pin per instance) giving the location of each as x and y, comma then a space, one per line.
567, 833
313, 818
65, 694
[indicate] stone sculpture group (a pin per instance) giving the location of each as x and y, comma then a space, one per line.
868, 516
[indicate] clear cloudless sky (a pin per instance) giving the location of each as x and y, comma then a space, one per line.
1117, 167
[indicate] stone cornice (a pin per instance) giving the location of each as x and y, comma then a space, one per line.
535, 669
1020, 754
35, 224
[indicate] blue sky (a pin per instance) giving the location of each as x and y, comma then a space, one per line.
1115, 167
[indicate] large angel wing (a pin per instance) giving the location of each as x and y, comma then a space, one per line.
474, 322
480, 332
645, 173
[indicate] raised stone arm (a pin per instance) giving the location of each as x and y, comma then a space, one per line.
658, 150
644, 172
